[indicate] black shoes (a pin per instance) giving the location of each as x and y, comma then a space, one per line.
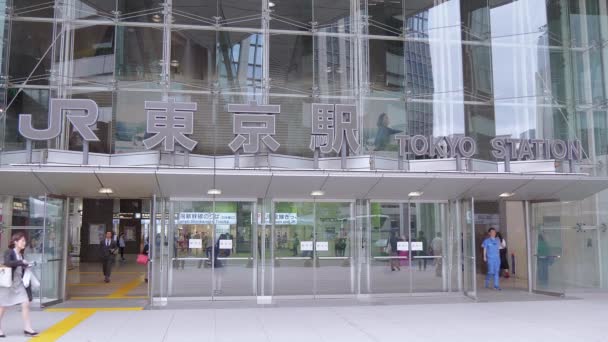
30, 333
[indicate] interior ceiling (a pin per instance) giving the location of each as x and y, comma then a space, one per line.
251, 184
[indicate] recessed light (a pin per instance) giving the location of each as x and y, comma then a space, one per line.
415, 194
214, 192
506, 194
105, 191
271, 4
156, 18
317, 193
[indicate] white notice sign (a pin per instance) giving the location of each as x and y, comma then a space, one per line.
322, 246
225, 244
417, 246
402, 246
195, 243
306, 245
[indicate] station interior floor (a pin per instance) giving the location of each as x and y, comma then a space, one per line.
85, 281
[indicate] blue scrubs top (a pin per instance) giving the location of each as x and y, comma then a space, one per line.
492, 246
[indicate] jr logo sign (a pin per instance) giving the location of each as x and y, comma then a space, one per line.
82, 123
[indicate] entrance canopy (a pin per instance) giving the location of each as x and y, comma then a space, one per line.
142, 182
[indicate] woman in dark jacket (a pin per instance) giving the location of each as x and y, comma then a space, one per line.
17, 293
384, 132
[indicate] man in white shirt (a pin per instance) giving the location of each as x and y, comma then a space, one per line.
107, 251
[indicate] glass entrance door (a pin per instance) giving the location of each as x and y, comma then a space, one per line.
313, 249
210, 246
406, 248
466, 209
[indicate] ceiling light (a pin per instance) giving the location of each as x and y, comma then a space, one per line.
317, 193
415, 194
271, 4
506, 194
214, 192
175, 63
105, 191
156, 18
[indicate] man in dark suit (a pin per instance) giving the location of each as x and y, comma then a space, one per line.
107, 251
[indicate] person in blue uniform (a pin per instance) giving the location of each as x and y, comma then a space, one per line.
491, 255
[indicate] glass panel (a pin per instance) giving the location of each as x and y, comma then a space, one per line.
293, 125
103, 127
195, 12
30, 52
240, 13
468, 247
240, 61
130, 120
159, 254
52, 261
93, 58
389, 259
383, 120
334, 72
191, 249
334, 248
208, 127
28, 101
92, 9
332, 16
291, 14
140, 11
386, 17
139, 57
428, 222
291, 64
34, 8
293, 268
233, 271
193, 60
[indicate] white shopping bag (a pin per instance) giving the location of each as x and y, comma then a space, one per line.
6, 276
30, 279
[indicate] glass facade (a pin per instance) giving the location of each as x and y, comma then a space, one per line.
525, 69
481, 68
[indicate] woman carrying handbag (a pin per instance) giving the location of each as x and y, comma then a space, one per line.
18, 292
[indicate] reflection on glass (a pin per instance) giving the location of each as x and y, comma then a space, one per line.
333, 244
130, 120
31, 101
29, 42
33, 8
291, 14
140, 11
103, 127
333, 65
93, 59
138, 56
390, 262
240, 61
293, 269
291, 68
193, 59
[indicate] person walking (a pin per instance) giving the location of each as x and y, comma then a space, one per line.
121, 246
491, 255
504, 261
18, 293
437, 252
391, 245
422, 260
107, 251
219, 268
146, 251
